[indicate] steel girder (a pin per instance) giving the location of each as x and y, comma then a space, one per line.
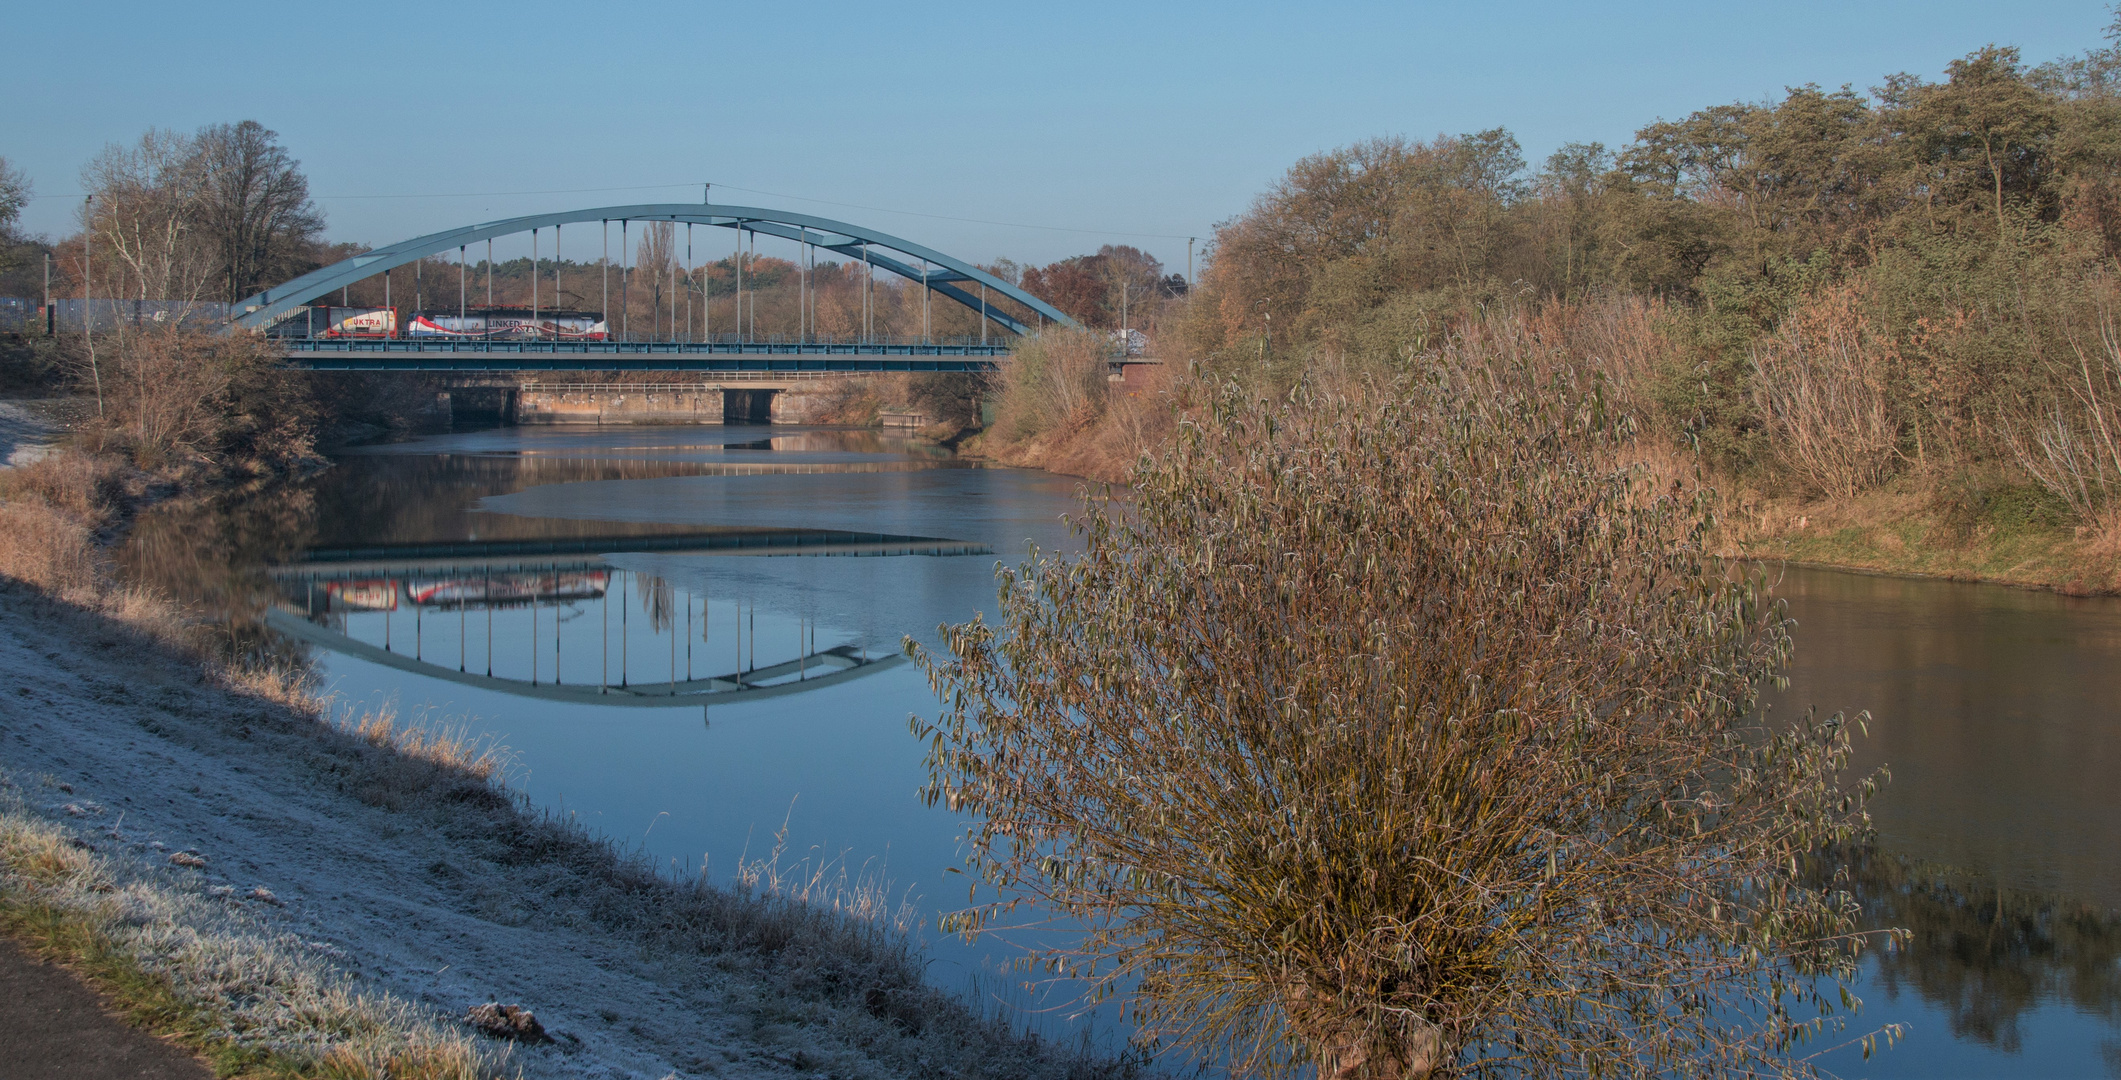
259, 311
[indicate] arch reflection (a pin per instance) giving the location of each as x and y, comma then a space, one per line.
553, 619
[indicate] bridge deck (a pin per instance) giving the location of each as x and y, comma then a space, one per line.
409, 355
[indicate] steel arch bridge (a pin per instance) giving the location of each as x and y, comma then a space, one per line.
940, 273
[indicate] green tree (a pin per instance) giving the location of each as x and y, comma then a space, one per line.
1980, 141
15, 190
14, 195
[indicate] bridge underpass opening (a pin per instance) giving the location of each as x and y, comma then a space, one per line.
831, 299
747, 406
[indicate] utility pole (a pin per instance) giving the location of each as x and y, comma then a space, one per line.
1189, 267
88, 306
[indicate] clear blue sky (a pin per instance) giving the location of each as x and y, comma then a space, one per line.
1115, 119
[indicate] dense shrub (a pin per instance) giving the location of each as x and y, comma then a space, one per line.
1405, 733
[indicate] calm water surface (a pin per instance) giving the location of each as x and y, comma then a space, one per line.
677, 633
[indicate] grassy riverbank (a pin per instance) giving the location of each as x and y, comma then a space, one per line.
1980, 526
2013, 540
349, 887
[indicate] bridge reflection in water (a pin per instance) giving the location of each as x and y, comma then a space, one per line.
554, 619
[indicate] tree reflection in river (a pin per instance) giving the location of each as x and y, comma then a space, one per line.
1984, 955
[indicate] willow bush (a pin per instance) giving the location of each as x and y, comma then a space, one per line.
1407, 734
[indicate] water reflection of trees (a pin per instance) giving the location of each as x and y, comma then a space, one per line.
210, 551
1987, 955
658, 601
209, 554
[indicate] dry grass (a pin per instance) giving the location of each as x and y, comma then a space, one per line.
448, 747
55, 515
1062, 414
46, 546
86, 487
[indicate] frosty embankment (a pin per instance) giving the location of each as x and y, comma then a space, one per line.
316, 893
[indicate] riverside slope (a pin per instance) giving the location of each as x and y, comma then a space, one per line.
442, 911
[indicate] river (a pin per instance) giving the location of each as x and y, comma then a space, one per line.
687, 638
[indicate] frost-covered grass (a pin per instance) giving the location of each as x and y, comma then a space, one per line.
404, 849
204, 969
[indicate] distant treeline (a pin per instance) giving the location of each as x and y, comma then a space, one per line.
1828, 293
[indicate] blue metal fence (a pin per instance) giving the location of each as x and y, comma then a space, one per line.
99, 314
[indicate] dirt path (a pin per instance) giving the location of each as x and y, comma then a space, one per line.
53, 1028
26, 433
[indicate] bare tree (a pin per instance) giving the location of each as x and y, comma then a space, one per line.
1821, 381
170, 384
656, 258
143, 212
254, 208
2069, 441
14, 195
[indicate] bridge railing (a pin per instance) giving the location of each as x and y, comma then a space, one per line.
547, 347
994, 341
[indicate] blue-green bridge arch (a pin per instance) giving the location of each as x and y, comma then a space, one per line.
942, 274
